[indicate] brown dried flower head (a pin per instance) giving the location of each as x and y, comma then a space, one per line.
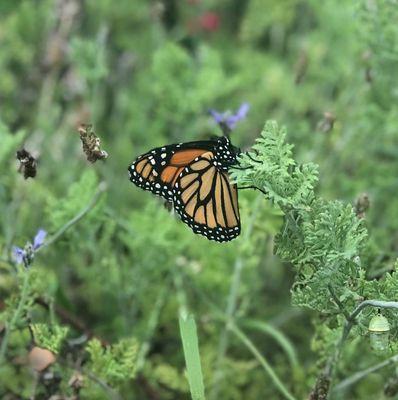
91, 143
362, 204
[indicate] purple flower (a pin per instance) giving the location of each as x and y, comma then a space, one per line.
39, 239
26, 254
18, 254
229, 119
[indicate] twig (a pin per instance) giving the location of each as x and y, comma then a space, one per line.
101, 189
361, 374
373, 303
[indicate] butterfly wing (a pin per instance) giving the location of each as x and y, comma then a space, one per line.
158, 170
206, 201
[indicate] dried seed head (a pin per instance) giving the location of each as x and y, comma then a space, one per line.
91, 144
362, 204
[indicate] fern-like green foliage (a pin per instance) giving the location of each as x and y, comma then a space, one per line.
49, 337
145, 76
177, 101
322, 239
269, 166
78, 196
171, 378
114, 364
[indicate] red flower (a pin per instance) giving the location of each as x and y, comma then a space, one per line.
209, 21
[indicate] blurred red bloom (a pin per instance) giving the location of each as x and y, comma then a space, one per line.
209, 21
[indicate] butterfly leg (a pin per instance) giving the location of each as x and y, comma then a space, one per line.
253, 159
241, 168
255, 188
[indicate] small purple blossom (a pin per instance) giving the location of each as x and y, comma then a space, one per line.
229, 119
18, 254
39, 239
26, 254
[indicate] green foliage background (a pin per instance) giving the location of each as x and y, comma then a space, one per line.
144, 73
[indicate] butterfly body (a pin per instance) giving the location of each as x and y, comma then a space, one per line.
194, 176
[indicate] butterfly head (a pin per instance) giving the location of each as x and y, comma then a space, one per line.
225, 153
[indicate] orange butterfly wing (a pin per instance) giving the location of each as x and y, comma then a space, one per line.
206, 200
190, 176
158, 170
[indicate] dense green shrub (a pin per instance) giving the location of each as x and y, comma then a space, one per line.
282, 311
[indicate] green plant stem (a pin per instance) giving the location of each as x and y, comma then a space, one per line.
223, 343
290, 220
248, 343
101, 189
267, 367
262, 360
152, 324
17, 314
277, 335
180, 292
362, 374
338, 302
112, 393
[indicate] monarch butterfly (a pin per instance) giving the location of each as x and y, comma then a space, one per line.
194, 177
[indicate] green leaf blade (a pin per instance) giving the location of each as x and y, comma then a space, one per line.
192, 357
